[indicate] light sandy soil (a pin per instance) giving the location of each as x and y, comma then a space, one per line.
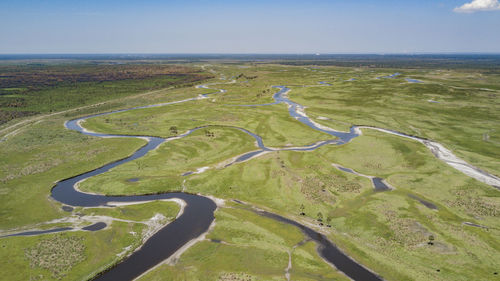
436, 148
445, 155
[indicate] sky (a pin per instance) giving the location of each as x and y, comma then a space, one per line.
220, 26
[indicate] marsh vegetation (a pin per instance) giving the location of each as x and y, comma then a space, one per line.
389, 232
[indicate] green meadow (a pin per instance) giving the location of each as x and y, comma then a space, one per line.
245, 246
391, 232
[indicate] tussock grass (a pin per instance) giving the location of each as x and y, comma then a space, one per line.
386, 231
57, 254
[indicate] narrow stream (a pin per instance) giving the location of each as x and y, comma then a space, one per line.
199, 211
329, 251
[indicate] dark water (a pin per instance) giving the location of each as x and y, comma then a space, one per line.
343, 137
380, 185
38, 232
95, 227
248, 155
293, 110
67, 208
345, 169
312, 147
425, 203
329, 251
133, 180
199, 211
258, 138
196, 219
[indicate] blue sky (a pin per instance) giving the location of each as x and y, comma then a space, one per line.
335, 26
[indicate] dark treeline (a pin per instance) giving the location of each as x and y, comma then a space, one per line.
489, 62
35, 76
480, 61
29, 89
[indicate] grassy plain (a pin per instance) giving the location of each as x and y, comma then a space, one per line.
245, 246
272, 123
162, 168
386, 231
80, 255
457, 109
41, 152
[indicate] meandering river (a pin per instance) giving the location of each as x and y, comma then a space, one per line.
198, 214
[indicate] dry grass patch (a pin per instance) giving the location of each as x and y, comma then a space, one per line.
235, 277
57, 254
407, 232
474, 204
314, 187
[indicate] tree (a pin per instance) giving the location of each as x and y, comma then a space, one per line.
328, 220
302, 208
173, 130
431, 240
320, 217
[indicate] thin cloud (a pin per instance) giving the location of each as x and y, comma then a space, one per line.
478, 5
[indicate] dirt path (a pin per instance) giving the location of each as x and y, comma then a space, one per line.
26, 122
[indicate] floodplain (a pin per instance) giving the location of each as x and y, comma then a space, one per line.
436, 223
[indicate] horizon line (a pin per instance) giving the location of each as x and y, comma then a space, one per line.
270, 53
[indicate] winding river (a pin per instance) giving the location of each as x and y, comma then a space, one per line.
197, 216
198, 213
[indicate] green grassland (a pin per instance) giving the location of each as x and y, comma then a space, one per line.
386, 231
272, 123
388, 226
264, 121
245, 246
79, 255
161, 169
385, 226
41, 152
99, 250
465, 120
